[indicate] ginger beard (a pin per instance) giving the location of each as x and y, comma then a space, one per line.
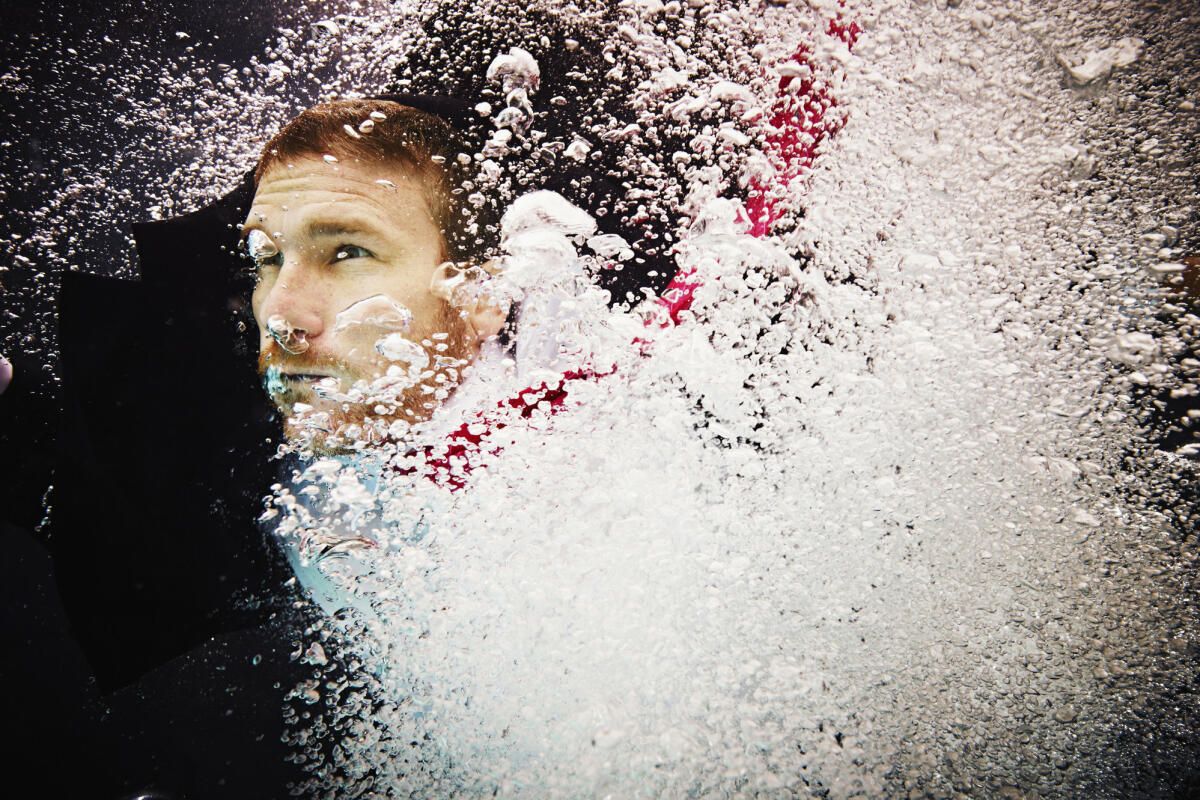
387, 381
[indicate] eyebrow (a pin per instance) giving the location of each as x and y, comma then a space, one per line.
330, 229
319, 229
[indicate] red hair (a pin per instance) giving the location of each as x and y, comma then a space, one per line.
388, 133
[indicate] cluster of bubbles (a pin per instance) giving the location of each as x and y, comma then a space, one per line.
903, 504
885, 514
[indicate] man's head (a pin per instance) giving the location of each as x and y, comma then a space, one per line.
360, 231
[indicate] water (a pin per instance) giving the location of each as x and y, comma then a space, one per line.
900, 504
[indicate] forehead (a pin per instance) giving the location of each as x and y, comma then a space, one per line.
385, 194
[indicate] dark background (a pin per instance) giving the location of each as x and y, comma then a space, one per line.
183, 695
59, 122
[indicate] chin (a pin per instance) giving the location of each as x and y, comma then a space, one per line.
314, 424
335, 433
305, 440
317, 437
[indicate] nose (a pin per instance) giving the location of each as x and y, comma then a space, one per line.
293, 309
293, 340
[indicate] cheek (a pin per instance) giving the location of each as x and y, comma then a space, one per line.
262, 331
257, 297
431, 313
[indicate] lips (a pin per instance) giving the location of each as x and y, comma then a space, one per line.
284, 384
309, 377
317, 383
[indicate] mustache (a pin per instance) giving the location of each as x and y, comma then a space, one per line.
272, 355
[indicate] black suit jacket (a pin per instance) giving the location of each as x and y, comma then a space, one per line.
150, 626
163, 453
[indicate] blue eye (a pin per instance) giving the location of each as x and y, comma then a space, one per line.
348, 251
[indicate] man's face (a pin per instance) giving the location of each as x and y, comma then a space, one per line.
353, 339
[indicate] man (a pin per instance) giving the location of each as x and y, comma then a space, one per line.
364, 248
172, 649
179, 618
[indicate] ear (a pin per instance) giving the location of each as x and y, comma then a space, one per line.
465, 287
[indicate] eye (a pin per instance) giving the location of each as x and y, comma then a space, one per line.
262, 250
348, 251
